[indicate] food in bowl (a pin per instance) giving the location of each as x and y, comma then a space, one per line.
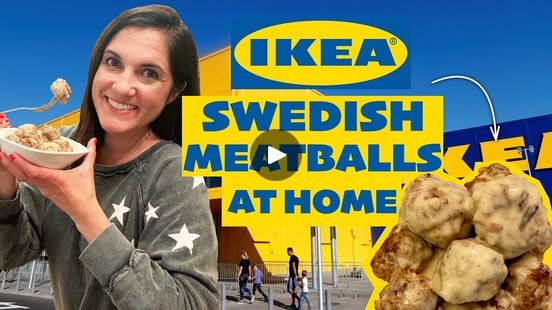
47, 138
55, 154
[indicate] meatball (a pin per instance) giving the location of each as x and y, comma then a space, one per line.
491, 172
437, 210
64, 145
510, 216
61, 90
14, 138
28, 131
407, 291
30, 142
49, 133
401, 250
469, 272
530, 283
29, 136
46, 139
543, 243
432, 264
502, 301
50, 146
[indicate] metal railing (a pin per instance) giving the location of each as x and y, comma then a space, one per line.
27, 277
351, 279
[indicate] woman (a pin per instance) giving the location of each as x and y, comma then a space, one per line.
243, 275
122, 229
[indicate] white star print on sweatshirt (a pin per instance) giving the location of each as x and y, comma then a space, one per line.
174, 265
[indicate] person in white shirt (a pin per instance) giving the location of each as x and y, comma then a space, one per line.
304, 284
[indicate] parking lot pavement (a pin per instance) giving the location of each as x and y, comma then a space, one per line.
281, 301
18, 301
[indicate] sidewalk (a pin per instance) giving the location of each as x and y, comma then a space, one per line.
41, 290
17, 301
340, 299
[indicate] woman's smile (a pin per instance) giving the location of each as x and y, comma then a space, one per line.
119, 106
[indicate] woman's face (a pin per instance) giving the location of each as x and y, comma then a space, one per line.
133, 82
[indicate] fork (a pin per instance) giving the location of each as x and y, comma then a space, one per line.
41, 108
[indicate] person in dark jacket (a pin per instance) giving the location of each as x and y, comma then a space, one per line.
293, 275
244, 273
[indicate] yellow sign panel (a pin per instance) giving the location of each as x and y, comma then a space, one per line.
326, 52
350, 158
503, 150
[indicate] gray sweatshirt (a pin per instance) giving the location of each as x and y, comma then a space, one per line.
160, 251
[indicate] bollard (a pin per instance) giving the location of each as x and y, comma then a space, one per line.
223, 296
270, 298
32, 281
328, 299
5, 273
32, 278
18, 283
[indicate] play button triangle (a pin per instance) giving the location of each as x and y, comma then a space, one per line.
274, 155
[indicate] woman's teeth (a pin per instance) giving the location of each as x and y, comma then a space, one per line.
120, 106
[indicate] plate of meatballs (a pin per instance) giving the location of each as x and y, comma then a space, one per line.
477, 246
43, 146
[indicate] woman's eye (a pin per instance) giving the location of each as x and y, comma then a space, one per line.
150, 74
112, 62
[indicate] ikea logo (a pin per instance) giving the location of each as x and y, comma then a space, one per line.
318, 54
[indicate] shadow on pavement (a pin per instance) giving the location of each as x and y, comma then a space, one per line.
277, 304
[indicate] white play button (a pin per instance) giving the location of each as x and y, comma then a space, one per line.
266, 156
274, 155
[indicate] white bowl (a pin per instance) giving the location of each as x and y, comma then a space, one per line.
53, 160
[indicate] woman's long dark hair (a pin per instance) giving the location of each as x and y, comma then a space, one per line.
183, 63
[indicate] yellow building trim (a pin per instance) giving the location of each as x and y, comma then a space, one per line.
215, 193
214, 54
65, 120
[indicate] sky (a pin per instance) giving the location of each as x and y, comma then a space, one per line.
505, 45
